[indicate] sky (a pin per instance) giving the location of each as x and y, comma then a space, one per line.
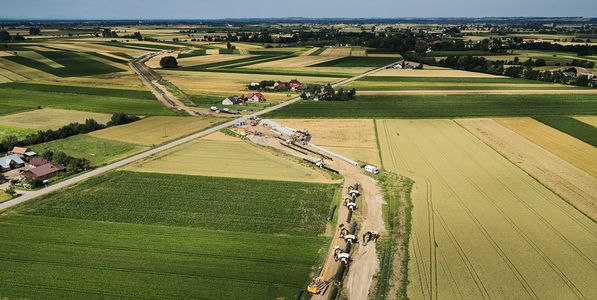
216, 9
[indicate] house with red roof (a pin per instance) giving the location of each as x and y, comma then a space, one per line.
255, 97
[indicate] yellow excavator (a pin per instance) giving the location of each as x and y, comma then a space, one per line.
319, 284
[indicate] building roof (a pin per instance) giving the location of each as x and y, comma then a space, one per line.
19, 150
233, 99
37, 161
294, 81
44, 170
6, 160
258, 95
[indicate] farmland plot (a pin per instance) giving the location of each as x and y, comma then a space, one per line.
572, 150
482, 228
49, 118
353, 138
154, 130
591, 120
227, 158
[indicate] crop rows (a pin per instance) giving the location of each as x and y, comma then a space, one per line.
573, 127
204, 202
442, 106
75, 64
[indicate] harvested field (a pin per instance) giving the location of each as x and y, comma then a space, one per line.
312, 51
577, 187
235, 159
207, 59
49, 118
591, 120
433, 73
98, 151
570, 149
573, 127
336, 52
481, 224
354, 138
154, 130
293, 62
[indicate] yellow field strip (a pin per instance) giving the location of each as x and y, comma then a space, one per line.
483, 228
433, 73
228, 158
571, 183
570, 149
50, 118
591, 120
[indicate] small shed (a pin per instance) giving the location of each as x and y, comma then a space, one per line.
231, 100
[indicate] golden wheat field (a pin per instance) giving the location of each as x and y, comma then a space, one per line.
574, 185
354, 138
50, 118
482, 227
154, 130
572, 150
591, 120
226, 157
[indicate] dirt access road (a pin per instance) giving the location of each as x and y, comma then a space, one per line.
139, 64
368, 216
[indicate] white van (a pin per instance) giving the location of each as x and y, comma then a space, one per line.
371, 169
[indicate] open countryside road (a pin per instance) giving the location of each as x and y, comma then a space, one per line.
101, 170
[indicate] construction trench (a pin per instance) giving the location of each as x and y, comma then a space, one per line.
351, 262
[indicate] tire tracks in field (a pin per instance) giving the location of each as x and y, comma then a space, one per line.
504, 215
468, 264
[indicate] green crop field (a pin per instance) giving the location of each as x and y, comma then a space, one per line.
156, 236
68, 258
204, 202
75, 64
462, 53
18, 132
358, 61
571, 126
93, 91
489, 80
383, 83
318, 51
99, 151
25, 95
442, 106
194, 52
6, 108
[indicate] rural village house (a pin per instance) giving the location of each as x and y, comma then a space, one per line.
231, 100
11, 162
255, 97
37, 162
45, 171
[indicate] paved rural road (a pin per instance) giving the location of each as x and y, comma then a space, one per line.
101, 170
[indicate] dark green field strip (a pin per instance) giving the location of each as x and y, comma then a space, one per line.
124, 55
193, 53
271, 52
573, 127
7, 109
79, 258
205, 202
135, 94
156, 46
318, 51
451, 79
48, 88
381, 51
358, 61
397, 87
463, 53
288, 72
95, 103
75, 64
110, 58
442, 106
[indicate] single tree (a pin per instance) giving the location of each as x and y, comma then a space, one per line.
168, 62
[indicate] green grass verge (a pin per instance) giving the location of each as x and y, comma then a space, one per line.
242, 205
192, 53
571, 126
80, 259
98, 151
75, 64
463, 53
20, 97
358, 61
442, 106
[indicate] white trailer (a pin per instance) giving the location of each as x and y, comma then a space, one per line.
371, 169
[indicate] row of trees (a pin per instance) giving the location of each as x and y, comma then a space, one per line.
327, 93
71, 129
523, 70
5, 36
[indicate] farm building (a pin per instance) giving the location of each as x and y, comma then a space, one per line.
10, 162
19, 150
255, 97
281, 86
37, 162
294, 84
46, 171
231, 100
